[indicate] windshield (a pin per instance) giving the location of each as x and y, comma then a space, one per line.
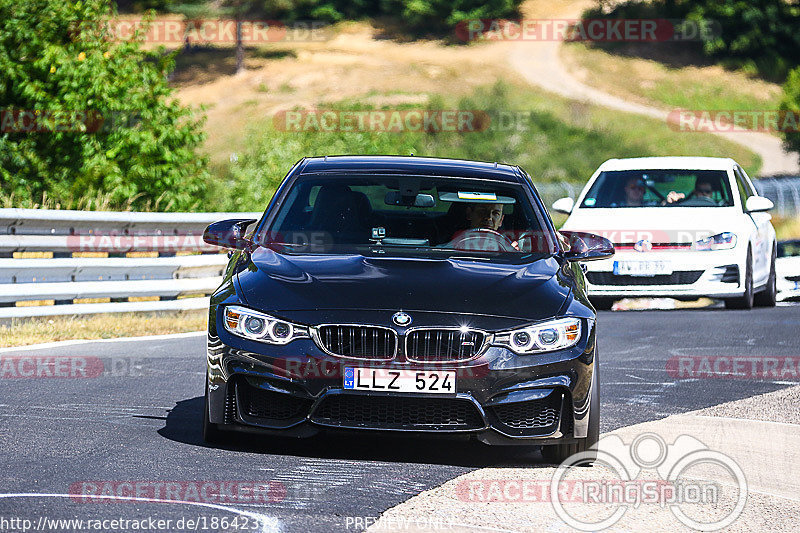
660, 188
408, 215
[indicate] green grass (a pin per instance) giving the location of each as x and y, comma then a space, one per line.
554, 139
687, 87
24, 331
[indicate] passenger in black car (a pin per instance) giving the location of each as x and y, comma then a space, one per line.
340, 211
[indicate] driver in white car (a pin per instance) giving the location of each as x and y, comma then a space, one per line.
703, 188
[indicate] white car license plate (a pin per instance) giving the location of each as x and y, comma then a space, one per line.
389, 380
642, 268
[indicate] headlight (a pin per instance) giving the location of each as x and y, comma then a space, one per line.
544, 337
260, 327
720, 241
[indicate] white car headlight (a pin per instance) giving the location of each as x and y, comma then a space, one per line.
257, 326
543, 337
720, 241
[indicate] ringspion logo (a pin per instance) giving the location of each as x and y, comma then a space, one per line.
698, 499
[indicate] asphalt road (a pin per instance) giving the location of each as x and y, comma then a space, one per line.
135, 418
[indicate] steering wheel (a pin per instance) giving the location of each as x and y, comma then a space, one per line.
697, 201
530, 241
482, 239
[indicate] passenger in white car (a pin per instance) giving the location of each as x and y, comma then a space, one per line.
635, 188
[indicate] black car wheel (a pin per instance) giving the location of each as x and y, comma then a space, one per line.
602, 304
558, 453
211, 434
745, 301
769, 296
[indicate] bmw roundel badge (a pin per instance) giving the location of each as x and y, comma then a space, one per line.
401, 319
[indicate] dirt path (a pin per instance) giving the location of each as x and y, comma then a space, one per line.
540, 63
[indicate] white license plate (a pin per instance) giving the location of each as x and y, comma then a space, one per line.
388, 380
642, 268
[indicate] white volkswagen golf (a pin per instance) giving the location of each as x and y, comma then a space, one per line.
683, 227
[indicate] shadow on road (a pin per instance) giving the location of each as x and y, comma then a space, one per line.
184, 421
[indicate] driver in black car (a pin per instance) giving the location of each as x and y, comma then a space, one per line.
487, 216
703, 190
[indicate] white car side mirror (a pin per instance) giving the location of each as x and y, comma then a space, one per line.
564, 205
755, 204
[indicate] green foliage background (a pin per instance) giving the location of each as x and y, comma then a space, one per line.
554, 140
56, 56
762, 36
415, 15
791, 103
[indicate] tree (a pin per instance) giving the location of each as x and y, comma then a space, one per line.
107, 124
791, 104
238, 9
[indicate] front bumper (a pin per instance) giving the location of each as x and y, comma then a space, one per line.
501, 398
694, 274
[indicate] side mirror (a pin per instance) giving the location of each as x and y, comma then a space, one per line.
756, 204
586, 246
228, 233
564, 205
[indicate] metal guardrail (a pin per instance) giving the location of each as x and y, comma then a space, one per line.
92, 258
783, 191
552, 191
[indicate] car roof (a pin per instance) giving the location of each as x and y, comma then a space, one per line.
669, 163
413, 165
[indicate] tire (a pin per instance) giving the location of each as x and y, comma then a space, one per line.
602, 304
211, 433
557, 453
769, 296
745, 301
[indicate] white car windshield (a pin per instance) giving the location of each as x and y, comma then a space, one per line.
660, 188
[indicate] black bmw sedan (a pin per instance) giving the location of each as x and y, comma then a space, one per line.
405, 294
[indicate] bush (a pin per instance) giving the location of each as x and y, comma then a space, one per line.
791, 104
139, 150
417, 15
757, 35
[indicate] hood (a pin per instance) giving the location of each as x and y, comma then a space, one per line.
300, 287
656, 224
